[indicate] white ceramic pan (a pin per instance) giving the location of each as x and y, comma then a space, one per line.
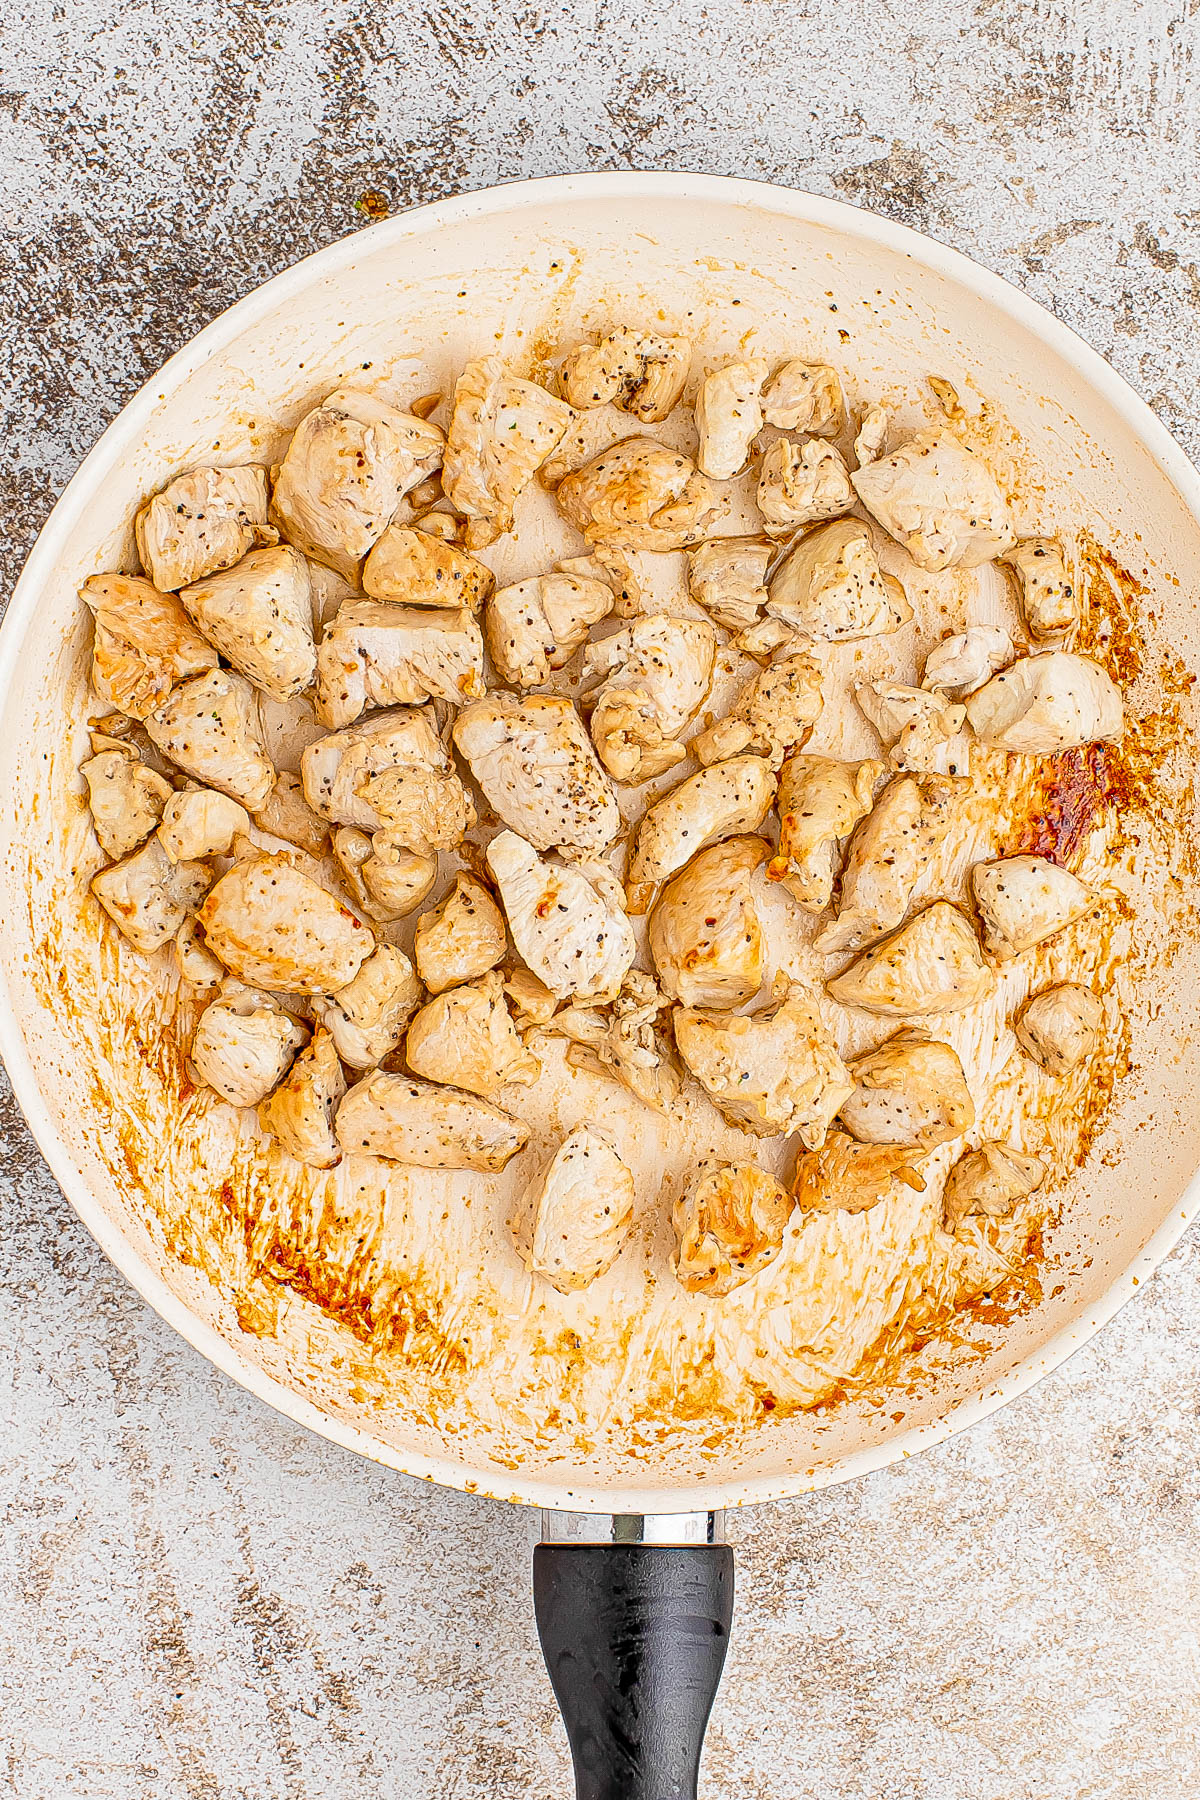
171, 1197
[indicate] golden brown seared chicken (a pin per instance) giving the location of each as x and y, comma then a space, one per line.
729, 417
845, 1176
1060, 1027
126, 798
299, 1114
390, 770
376, 654
145, 645
639, 495
460, 939
501, 432
990, 1180
729, 1224
273, 927
201, 822
211, 729
411, 566
911, 1090
259, 614
465, 1037
939, 500
830, 586
726, 800
727, 577
1046, 703
821, 800
572, 1219
704, 932
642, 373
773, 714
148, 897
1051, 599
800, 484
387, 881
533, 627
244, 1044
888, 854
405, 1120
567, 918
368, 1017
803, 396
653, 676
931, 965
202, 521
538, 771
1023, 900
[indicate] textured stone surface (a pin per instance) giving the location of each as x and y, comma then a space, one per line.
197, 1600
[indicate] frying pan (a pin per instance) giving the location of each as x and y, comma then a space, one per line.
633, 1587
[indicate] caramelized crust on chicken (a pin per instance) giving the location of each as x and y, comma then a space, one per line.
412, 566
821, 800
144, 643
466, 1038
772, 715
843, 1176
271, 925
641, 373
729, 1224
640, 495
704, 931
460, 939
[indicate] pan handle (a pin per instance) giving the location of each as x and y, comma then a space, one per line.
634, 1627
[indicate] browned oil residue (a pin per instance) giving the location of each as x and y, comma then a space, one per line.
1070, 796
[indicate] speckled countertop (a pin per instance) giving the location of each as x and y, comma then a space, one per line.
198, 1601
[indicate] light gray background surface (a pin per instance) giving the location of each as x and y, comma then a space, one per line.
198, 1601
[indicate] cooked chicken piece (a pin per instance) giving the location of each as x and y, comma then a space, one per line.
144, 645
772, 715
911, 1090
820, 802
429, 1127
536, 626
202, 521
461, 939
259, 614
244, 1044
573, 1218
805, 397
210, 728
654, 676
343, 773
1060, 1027
729, 799
126, 799
761, 641
466, 1038
939, 500
200, 823
438, 523
888, 854
843, 1176
501, 432
729, 1224
349, 464
286, 814
704, 931
799, 484
537, 770
729, 417
931, 965
1046, 703
990, 1180
1051, 603
642, 374
299, 1114
413, 567
871, 436
195, 962
367, 1018
773, 1072
1023, 900
386, 880
423, 809
727, 577
271, 925
566, 918
377, 654
531, 1000
918, 727
959, 665
611, 566
622, 1040
640, 495
147, 896
830, 586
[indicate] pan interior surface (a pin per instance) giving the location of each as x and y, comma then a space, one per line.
386, 1307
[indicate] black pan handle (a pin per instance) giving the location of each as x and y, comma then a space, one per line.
634, 1636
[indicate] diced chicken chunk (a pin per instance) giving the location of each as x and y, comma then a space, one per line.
640, 495
1051, 602
654, 676
704, 931
830, 586
911, 1090
773, 1072
772, 715
1023, 900
531, 1000
195, 961
533, 627
538, 771
800, 484
844, 1176
210, 728
460, 939
428, 1127
729, 417
367, 1018
804, 396
389, 770
144, 646
643, 374
727, 577
871, 436
200, 823
413, 567
386, 880
1060, 1027
610, 565
990, 1181
573, 1218
147, 896
1046, 703
731, 798
244, 1044
202, 521
939, 500
623, 1040
566, 918
729, 1224
931, 965
888, 855
349, 464
917, 727
126, 799
259, 614
466, 1038
377, 654
821, 800
501, 432
299, 1114
274, 927
286, 814
960, 664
